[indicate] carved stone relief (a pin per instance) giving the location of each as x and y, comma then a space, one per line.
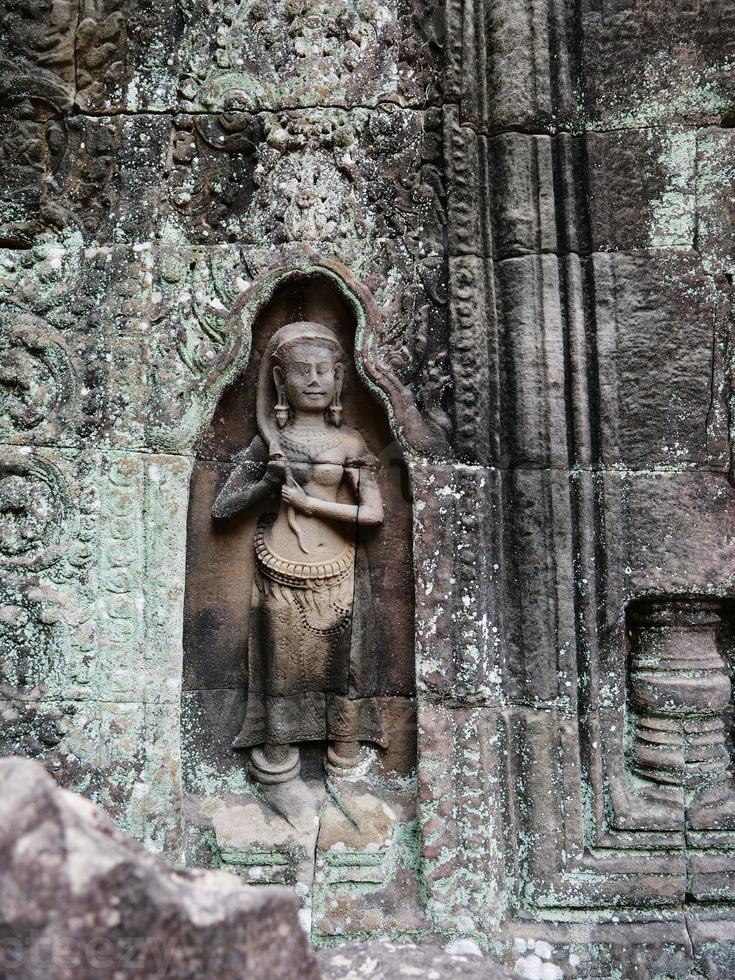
33, 511
515, 218
38, 383
32, 145
680, 696
27, 639
305, 662
321, 646
305, 52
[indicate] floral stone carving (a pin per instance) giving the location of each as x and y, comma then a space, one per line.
37, 379
33, 508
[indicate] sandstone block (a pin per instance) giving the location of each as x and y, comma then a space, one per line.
80, 900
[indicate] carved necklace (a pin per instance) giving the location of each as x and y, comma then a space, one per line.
312, 442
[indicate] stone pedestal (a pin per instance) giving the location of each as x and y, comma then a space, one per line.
272, 840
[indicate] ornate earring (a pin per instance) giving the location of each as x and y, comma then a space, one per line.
335, 410
281, 410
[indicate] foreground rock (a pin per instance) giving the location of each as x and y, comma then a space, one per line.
80, 900
396, 961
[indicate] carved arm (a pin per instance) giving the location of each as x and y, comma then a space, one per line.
368, 510
246, 485
229, 501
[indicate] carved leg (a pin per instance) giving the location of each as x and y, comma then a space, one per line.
343, 757
274, 763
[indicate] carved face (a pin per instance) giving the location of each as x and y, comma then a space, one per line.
309, 376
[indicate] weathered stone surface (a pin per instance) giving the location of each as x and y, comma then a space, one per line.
78, 899
58, 508
642, 188
522, 170
531, 361
582, 950
367, 878
646, 64
312, 175
458, 652
715, 212
528, 205
262, 177
394, 961
712, 940
136, 59
661, 350
678, 530
526, 50
462, 864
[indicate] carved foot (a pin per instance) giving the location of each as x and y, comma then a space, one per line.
713, 808
271, 840
356, 819
271, 764
296, 803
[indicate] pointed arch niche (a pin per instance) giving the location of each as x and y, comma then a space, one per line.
219, 562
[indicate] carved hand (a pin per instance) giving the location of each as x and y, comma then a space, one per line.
295, 497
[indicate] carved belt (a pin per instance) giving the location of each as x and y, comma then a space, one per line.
300, 575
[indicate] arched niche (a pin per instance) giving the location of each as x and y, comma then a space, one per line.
219, 562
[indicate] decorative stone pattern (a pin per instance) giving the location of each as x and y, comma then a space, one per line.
37, 378
527, 204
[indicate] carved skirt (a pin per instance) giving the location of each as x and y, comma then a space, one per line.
300, 653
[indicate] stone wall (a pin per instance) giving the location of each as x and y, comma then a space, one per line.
528, 203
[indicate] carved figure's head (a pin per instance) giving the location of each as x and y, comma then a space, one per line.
304, 360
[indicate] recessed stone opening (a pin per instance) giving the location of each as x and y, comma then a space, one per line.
219, 573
